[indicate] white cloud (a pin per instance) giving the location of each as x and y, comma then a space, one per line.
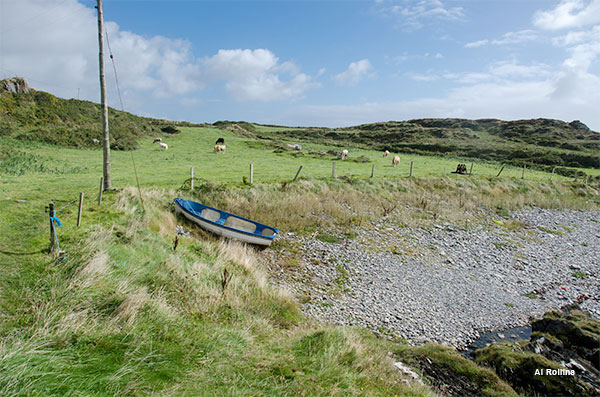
415, 14
355, 72
505, 90
62, 58
569, 14
521, 36
517, 100
255, 75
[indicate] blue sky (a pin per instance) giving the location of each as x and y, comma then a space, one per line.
324, 63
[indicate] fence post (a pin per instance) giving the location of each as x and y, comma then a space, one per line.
444, 172
80, 208
333, 170
251, 173
52, 231
298, 173
471, 170
576, 175
373, 170
191, 178
552, 176
411, 167
523, 174
100, 191
499, 172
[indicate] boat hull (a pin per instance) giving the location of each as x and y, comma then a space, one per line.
221, 230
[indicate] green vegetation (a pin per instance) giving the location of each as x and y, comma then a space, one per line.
451, 373
328, 238
579, 275
127, 313
543, 143
42, 117
517, 366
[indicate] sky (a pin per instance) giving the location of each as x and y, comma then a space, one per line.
314, 63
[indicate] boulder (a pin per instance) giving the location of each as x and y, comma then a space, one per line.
16, 85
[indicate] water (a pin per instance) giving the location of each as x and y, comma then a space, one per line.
507, 335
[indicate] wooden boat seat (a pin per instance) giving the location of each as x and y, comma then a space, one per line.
267, 232
240, 224
211, 215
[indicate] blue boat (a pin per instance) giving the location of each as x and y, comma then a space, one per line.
226, 224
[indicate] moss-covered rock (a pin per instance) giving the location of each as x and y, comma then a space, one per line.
527, 373
450, 373
575, 329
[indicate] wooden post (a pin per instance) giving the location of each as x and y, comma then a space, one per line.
471, 170
373, 170
52, 231
576, 175
298, 173
100, 191
103, 101
251, 173
523, 174
552, 176
333, 170
499, 172
411, 167
80, 208
444, 172
586, 179
191, 178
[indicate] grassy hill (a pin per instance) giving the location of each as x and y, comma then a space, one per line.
42, 117
129, 312
543, 143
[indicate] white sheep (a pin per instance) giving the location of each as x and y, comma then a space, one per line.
95, 141
386, 153
395, 160
344, 153
163, 146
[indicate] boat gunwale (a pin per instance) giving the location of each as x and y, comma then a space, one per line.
220, 225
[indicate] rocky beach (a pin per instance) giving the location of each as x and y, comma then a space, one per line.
447, 283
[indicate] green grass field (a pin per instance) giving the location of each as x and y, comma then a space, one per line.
127, 314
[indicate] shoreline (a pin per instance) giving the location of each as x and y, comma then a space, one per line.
448, 285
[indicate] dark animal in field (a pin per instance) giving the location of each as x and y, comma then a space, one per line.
157, 140
220, 141
461, 169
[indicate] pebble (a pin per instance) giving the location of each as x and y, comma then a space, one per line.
447, 284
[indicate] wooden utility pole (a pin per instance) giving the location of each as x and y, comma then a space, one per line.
105, 134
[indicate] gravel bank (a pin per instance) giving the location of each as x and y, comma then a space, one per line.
448, 284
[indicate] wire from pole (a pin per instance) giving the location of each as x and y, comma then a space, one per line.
123, 109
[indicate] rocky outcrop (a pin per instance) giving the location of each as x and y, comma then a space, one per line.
16, 85
561, 357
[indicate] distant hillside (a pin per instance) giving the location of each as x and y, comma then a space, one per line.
541, 142
27, 114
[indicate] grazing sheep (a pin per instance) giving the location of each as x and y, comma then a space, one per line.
163, 146
219, 148
386, 153
95, 141
157, 140
220, 141
344, 153
395, 161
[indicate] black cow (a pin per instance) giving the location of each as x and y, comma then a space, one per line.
220, 141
